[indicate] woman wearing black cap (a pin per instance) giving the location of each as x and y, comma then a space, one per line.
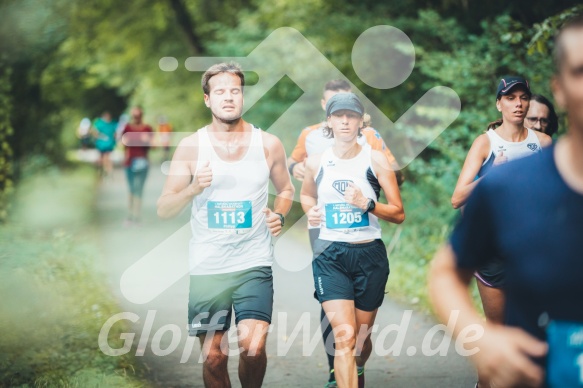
506, 139
340, 192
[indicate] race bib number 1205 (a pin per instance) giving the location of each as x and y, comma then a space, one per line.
343, 215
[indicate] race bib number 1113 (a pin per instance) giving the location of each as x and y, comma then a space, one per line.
229, 215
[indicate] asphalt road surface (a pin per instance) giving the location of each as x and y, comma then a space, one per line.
147, 267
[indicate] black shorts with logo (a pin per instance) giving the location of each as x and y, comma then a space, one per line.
212, 298
356, 272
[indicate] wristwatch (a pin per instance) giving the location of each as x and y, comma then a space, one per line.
282, 218
371, 205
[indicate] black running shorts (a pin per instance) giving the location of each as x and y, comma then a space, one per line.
492, 274
356, 272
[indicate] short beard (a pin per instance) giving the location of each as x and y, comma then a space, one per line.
228, 122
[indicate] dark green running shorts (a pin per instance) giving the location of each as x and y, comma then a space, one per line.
356, 272
212, 298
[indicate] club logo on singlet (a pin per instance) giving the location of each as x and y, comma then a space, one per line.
532, 146
341, 185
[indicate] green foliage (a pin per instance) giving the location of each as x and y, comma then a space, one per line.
542, 40
30, 31
446, 54
6, 185
74, 58
471, 65
54, 300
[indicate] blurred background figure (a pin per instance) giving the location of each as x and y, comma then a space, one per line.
137, 140
541, 115
104, 133
124, 119
164, 133
84, 133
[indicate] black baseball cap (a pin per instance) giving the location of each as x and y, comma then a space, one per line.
340, 101
507, 83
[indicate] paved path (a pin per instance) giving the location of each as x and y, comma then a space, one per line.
293, 361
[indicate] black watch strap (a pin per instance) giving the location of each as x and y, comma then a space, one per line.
282, 218
371, 205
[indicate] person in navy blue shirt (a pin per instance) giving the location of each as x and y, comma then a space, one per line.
530, 213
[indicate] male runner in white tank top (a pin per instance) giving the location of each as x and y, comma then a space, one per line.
224, 170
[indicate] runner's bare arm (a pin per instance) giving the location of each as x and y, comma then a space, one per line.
391, 211
503, 353
296, 160
466, 182
309, 192
291, 160
544, 139
279, 174
299, 153
297, 168
376, 142
281, 180
180, 187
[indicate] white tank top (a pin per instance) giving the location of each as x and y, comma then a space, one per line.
228, 226
512, 150
341, 221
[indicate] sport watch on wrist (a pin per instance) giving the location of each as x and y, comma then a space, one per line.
371, 205
282, 218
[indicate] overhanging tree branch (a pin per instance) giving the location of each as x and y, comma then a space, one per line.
187, 26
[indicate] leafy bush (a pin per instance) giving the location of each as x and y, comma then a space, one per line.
6, 186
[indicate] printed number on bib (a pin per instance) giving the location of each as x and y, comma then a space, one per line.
565, 358
229, 215
345, 216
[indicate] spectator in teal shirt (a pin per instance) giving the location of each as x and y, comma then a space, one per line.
104, 133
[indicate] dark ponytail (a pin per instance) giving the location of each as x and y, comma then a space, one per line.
495, 124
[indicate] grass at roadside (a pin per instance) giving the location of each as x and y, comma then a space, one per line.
412, 245
54, 301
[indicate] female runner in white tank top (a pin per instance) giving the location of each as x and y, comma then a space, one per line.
506, 139
340, 192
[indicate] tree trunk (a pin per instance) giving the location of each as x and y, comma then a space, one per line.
187, 26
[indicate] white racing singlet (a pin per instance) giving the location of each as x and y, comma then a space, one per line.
511, 149
342, 221
317, 142
228, 225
